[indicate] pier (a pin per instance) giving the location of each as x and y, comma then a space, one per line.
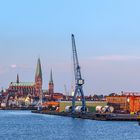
94, 116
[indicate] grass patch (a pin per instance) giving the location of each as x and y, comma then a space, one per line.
90, 105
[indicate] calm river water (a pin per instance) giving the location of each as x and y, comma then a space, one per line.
23, 125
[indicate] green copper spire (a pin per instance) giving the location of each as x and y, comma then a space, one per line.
17, 79
38, 69
51, 77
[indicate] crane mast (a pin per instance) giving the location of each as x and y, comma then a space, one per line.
78, 78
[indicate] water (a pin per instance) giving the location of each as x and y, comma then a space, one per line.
23, 125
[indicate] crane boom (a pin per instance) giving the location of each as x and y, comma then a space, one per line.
77, 71
78, 78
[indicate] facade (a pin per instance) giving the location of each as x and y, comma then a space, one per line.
118, 102
28, 88
22, 88
31, 93
128, 102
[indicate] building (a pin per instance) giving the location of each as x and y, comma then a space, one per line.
50, 91
51, 84
28, 88
127, 102
38, 79
50, 95
31, 93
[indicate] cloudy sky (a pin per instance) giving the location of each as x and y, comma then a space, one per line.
107, 34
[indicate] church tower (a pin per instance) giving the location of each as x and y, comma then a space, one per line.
38, 78
51, 85
17, 79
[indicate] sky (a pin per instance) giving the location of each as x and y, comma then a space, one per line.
107, 34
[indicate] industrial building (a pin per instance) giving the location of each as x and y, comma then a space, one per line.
128, 102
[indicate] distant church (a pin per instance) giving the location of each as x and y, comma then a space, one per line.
28, 88
34, 89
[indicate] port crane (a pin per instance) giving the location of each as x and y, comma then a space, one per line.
78, 78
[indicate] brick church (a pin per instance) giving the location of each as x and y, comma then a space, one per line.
28, 88
34, 89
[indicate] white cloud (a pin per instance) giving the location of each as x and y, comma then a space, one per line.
21, 66
13, 66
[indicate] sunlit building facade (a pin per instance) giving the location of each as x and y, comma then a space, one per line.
28, 88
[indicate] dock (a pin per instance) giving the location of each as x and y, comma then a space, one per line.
94, 116
66, 114
18, 108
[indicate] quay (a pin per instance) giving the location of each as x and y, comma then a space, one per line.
66, 114
19, 108
94, 116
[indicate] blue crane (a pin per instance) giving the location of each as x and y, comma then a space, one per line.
78, 79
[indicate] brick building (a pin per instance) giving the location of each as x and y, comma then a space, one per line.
129, 102
28, 88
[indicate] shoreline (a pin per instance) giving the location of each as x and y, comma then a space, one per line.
94, 116
88, 115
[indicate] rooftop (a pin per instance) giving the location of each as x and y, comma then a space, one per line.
22, 84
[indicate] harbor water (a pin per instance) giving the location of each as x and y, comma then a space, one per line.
24, 125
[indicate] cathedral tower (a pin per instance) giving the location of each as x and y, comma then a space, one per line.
51, 85
38, 78
17, 79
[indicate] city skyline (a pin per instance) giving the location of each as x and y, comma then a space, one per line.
107, 38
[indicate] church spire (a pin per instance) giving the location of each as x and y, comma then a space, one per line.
51, 77
51, 85
38, 70
38, 78
17, 79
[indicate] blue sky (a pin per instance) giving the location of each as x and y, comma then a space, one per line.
107, 35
